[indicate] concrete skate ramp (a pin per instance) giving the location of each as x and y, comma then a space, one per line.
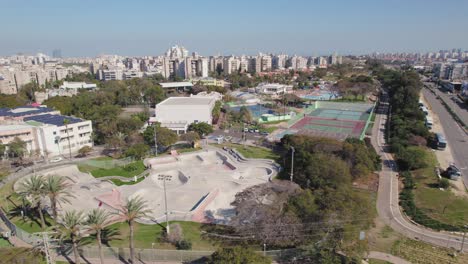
174, 179
256, 172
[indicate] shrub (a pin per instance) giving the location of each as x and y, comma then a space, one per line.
176, 234
183, 245
444, 183
130, 167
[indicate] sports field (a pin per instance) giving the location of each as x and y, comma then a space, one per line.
333, 120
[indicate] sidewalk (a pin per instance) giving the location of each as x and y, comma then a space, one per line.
387, 257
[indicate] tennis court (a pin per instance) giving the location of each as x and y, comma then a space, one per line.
333, 120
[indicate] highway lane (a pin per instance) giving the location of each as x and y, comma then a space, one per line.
456, 137
388, 196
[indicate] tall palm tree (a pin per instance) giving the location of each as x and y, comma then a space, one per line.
66, 122
98, 219
32, 189
73, 223
56, 189
133, 209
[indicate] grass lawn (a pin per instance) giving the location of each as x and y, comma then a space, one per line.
21, 255
420, 252
442, 205
120, 183
10, 201
145, 235
117, 171
252, 152
4, 243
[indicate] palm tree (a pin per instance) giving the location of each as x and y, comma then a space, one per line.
73, 222
56, 189
33, 190
133, 209
98, 219
66, 122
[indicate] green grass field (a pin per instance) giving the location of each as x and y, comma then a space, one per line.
252, 152
146, 235
442, 205
117, 171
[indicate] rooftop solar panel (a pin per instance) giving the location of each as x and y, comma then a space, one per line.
57, 120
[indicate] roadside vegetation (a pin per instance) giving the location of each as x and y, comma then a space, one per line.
425, 197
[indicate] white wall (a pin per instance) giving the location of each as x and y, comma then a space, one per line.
80, 136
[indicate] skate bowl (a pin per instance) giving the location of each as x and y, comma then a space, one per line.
174, 179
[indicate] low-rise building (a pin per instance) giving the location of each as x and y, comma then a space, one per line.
44, 130
177, 113
56, 136
273, 88
19, 113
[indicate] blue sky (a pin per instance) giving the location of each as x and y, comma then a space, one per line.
138, 27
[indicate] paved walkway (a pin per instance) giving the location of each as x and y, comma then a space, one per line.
388, 195
387, 257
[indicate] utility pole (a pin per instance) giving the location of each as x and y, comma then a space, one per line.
292, 163
264, 249
155, 141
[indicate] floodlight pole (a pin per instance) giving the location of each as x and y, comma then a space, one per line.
292, 163
165, 204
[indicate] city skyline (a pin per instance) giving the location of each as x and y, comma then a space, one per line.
87, 29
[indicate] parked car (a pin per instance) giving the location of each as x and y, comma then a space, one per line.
264, 133
57, 159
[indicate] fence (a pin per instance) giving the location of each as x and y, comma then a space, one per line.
154, 255
18, 232
107, 163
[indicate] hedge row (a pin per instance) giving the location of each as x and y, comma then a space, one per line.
409, 207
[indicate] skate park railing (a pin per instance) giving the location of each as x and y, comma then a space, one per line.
161, 255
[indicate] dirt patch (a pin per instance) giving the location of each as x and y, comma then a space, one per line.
369, 182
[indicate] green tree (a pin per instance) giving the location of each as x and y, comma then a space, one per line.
216, 112
134, 208
97, 221
56, 188
154, 95
137, 151
33, 190
237, 255
165, 136
84, 151
202, 128
245, 114
73, 224
11, 101
16, 148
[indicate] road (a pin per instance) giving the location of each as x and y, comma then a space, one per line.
388, 194
455, 135
455, 103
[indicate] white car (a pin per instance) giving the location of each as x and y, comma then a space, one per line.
57, 159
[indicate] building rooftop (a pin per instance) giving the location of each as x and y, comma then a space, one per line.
187, 101
56, 120
176, 84
24, 111
4, 128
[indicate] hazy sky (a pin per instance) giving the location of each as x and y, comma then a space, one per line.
304, 27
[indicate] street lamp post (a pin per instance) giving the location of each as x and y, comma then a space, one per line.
165, 203
292, 163
464, 235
